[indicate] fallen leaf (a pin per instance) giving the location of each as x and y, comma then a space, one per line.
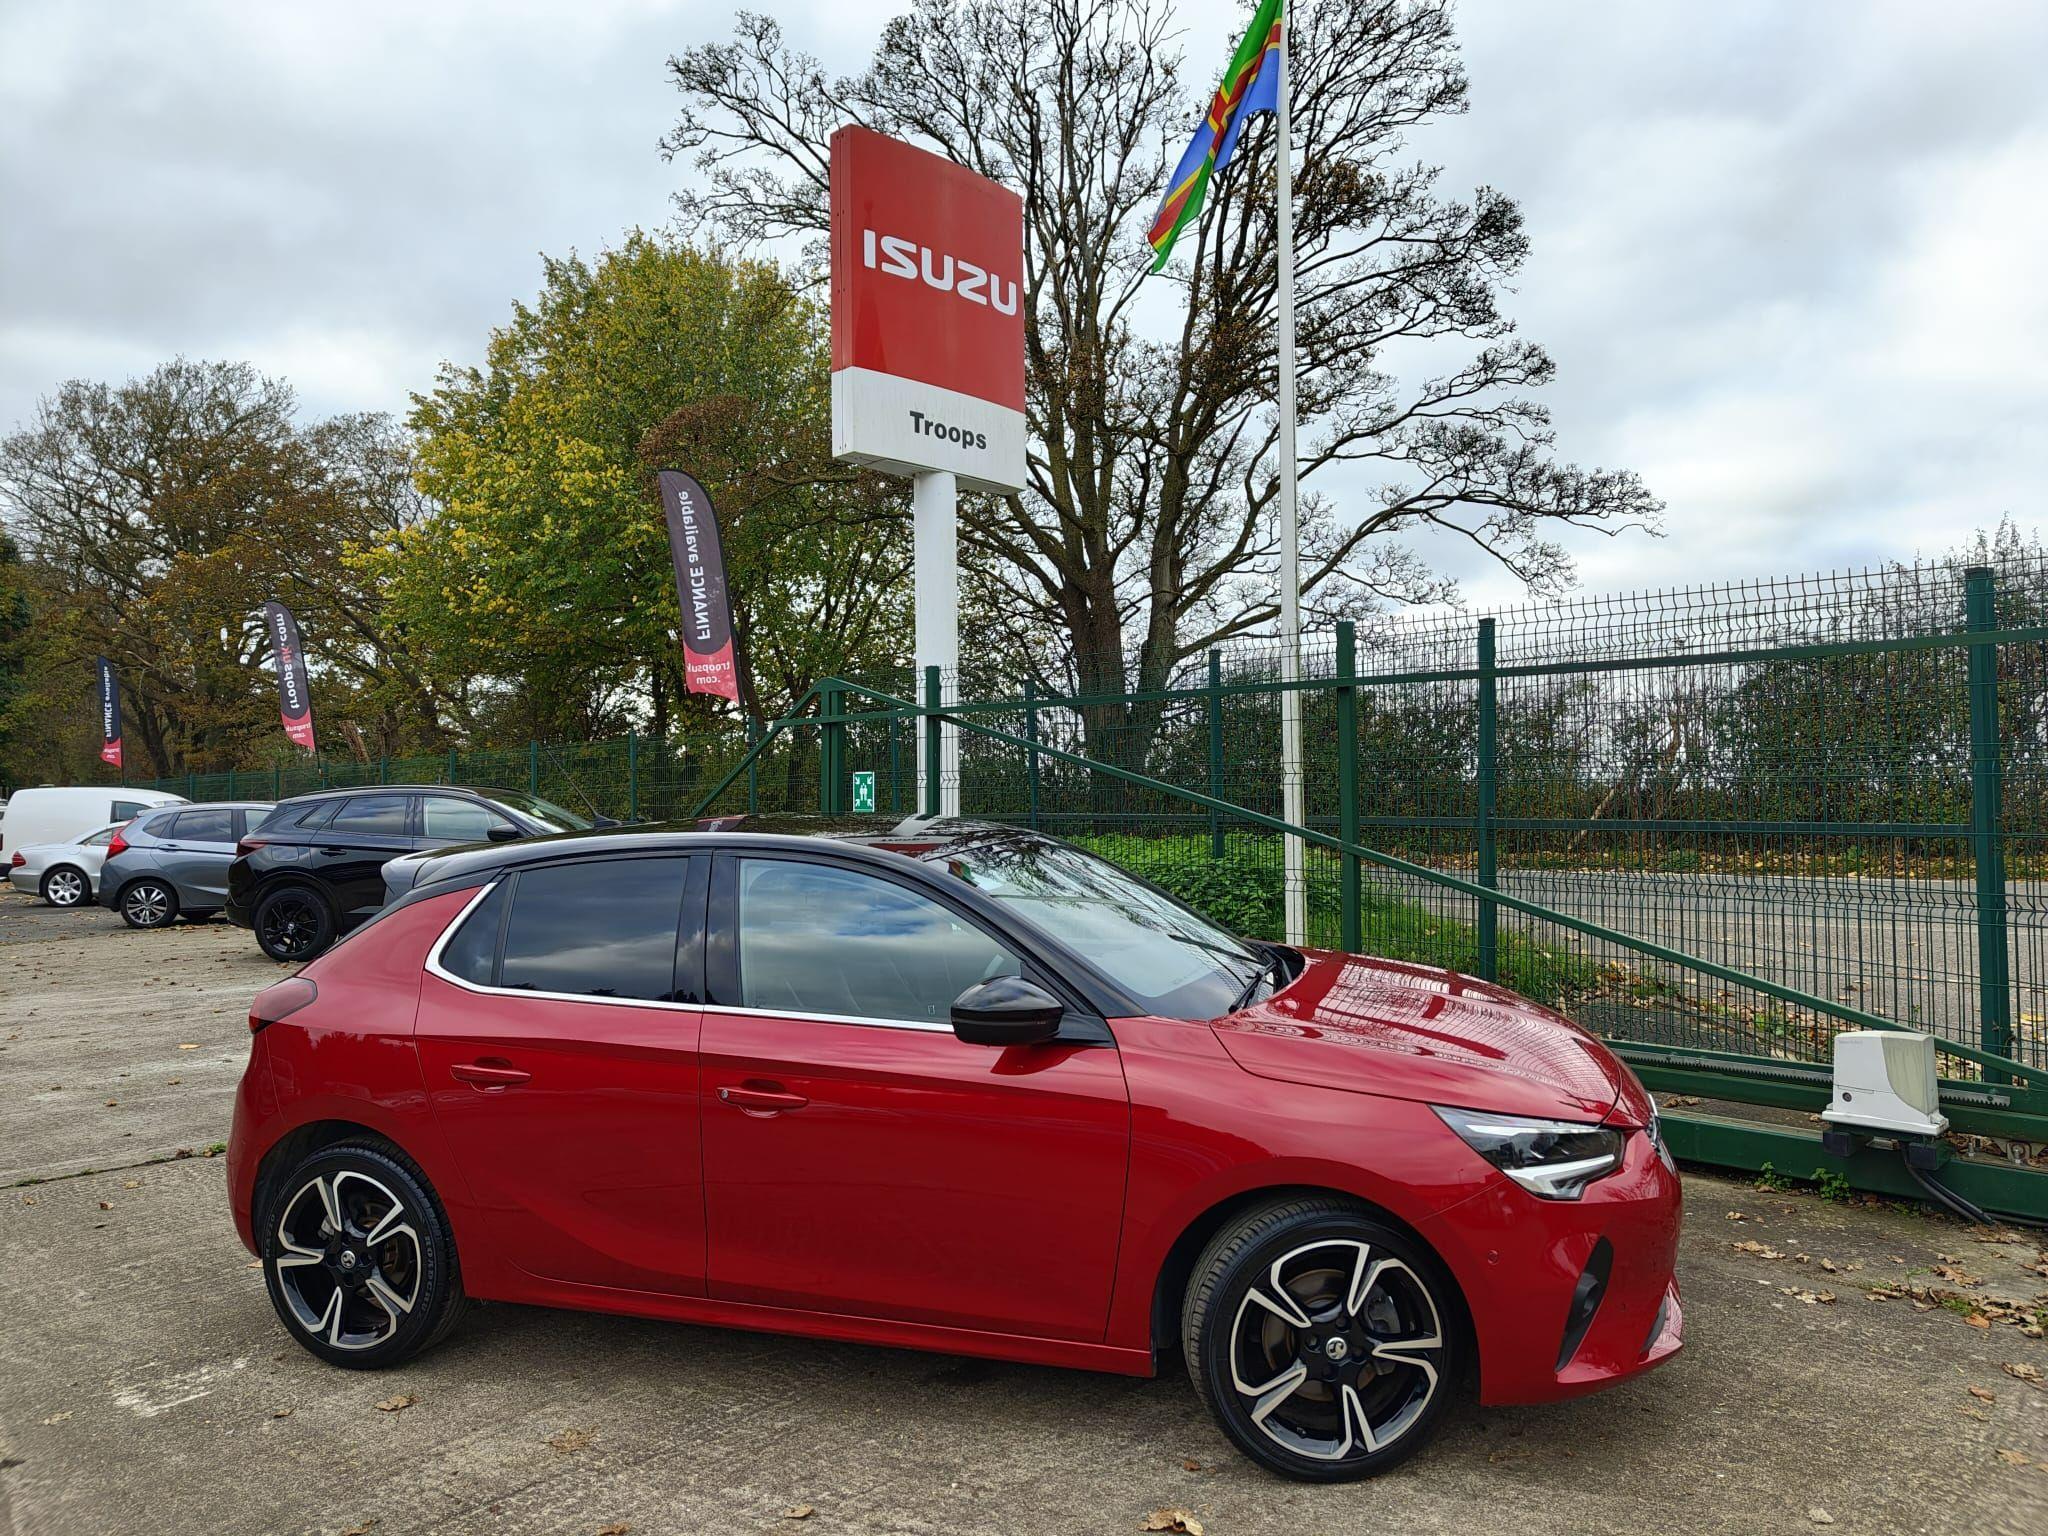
1830, 1266
131, 1183
364, 1529
284, 1413
616, 1528
1978, 1320
2022, 1371
106, 1205
1757, 1248
112, 1102
58, 1418
1173, 1520
1191, 1466
193, 1046
571, 1440
2015, 1458
1982, 1395
798, 1512
1820, 1516
397, 1404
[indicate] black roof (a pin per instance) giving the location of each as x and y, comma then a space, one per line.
471, 790
911, 835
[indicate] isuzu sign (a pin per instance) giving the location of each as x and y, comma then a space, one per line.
927, 314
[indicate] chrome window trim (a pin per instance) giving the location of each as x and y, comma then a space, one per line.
434, 967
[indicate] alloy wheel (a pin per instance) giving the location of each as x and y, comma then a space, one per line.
290, 926
1336, 1350
65, 888
348, 1262
147, 905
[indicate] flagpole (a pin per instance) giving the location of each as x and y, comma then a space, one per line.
1294, 884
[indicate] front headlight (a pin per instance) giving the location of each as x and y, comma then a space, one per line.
1554, 1159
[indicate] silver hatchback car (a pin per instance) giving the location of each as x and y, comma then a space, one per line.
173, 862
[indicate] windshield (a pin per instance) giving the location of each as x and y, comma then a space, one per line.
1171, 960
546, 812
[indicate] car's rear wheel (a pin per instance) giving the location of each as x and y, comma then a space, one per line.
358, 1256
1324, 1342
293, 925
64, 886
148, 903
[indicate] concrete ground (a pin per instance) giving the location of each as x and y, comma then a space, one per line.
147, 1387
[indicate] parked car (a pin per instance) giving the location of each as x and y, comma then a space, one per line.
954, 1087
63, 874
314, 869
174, 863
55, 813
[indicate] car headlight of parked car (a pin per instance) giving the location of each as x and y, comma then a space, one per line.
1553, 1159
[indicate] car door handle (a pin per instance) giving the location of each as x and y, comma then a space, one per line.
761, 1100
489, 1074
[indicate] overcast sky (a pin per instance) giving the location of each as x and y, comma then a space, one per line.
1787, 256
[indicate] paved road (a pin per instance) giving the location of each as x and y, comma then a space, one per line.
149, 1389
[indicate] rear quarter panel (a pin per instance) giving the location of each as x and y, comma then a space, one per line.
349, 1055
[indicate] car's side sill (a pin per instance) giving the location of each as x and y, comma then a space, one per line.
534, 1291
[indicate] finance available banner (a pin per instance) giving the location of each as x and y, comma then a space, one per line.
110, 714
294, 687
693, 546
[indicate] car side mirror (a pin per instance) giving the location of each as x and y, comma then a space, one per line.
500, 833
1007, 1010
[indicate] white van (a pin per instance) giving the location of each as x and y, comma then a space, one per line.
56, 814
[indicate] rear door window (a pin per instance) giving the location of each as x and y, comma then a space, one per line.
370, 816
604, 928
215, 824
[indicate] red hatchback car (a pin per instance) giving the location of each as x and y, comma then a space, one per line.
953, 1087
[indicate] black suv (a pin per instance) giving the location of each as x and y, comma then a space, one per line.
314, 868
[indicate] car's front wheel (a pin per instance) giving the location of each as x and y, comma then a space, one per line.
358, 1257
148, 903
293, 925
1324, 1342
65, 886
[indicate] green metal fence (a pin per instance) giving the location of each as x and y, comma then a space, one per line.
1714, 825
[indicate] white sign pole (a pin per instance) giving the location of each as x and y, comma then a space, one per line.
1294, 884
935, 550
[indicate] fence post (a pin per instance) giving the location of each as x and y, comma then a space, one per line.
231, 783
831, 749
1482, 827
1031, 756
1215, 750
632, 775
1347, 782
753, 768
384, 768
533, 766
895, 765
451, 765
276, 779
191, 785
1994, 965
932, 700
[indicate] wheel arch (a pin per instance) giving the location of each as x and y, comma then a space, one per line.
1176, 1270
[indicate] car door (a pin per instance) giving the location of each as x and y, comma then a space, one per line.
859, 1157
557, 1032
349, 851
197, 847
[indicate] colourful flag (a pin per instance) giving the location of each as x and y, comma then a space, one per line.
700, 586
294, 686
110, 714
1251, 84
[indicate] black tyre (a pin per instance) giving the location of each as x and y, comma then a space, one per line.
1326, 1343
358, 1257
150, 902
293, 924
65, 885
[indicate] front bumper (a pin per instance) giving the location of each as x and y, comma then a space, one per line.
1519, 1260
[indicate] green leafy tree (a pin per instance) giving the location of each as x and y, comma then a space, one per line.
546, 571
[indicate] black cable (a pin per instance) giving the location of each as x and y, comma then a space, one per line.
1962, 1207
